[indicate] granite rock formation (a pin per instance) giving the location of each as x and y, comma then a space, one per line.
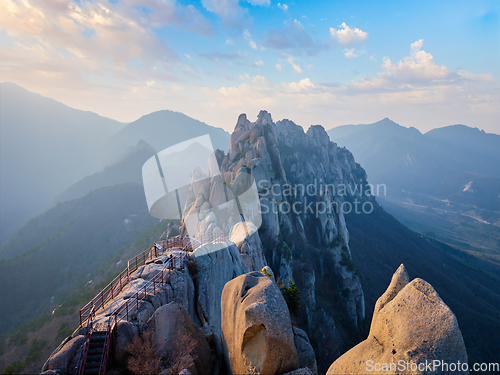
411, 327
257, 332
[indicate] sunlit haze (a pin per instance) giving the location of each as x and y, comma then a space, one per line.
425, 64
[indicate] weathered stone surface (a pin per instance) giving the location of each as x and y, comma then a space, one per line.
412, 325
176, 335
245, 236
183, 290
305, 352
216, 266
60, 361
257, 333
125, 333
165, 294
399, 280
144, 312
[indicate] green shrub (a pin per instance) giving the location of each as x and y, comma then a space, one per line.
14, 368
292, 297
346, 261
18, 337
265, 273
63, 331
35, 351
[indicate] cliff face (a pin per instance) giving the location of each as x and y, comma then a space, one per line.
305, 184
294, 189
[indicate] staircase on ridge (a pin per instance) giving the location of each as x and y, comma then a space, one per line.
97, 355
96, 348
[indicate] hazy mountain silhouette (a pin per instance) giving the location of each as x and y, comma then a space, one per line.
68, 243
163, 129
445, 183
405, 159
128, 169
45, 146
468, 138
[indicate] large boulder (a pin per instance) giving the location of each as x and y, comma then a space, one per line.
257, 333
125, 334
176, 335
411, 327
61, 359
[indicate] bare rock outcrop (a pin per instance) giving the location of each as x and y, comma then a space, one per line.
411, 327
176, 336
63, 359
305, 352
214, 269
257, 333
125, 334
245, 236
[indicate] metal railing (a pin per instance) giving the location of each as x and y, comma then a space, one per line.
131, 305
86, 345
110, 291
124, 311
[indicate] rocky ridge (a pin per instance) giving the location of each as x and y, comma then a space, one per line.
218, 299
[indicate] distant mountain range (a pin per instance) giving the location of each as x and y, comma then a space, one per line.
98, 208
445, 183
46, 147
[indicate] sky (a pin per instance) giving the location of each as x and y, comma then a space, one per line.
425, 64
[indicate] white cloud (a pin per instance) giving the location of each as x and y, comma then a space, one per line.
294, 65
248, 39
301, 86
283, 7
347, 36
419, 66
229, 42
228, 10
258, 64
188, 56
260, 2
414, 72
98, 35
278, 66
350, 53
